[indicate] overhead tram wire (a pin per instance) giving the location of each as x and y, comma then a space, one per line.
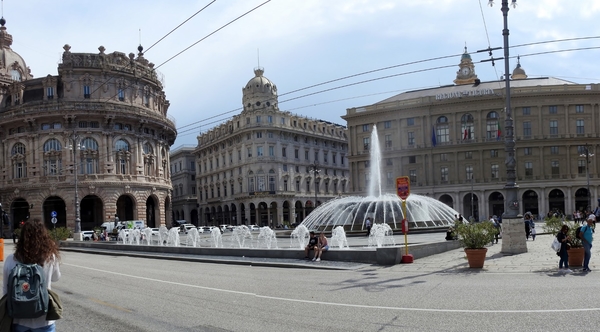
370, 80
212, 33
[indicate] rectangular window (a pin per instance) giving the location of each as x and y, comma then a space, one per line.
249, 152
269, 134
282, 121
285, 167
443, 133
121, 95
555, 166
527, 129
296, 154
325, 154
271, 151
526, 110
86, 91
578, 108
554, 150
390, 178
494, 171
258, 118
342, 159
553, 109
247, 120
367, 164
411, 138
469, 155
389, 162
553, 127
580, 127
50, 92
284, 152
443, 157
259, 151
412, 174
366, 143
412, 159
444, 174
528, 168
410, 122
258, 134
305, 154
269, 118
581, 167
493, 153
528, 151
316, 155
469, 172
388, 140
387, 124
365, 128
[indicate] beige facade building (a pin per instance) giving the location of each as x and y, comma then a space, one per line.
450, 142
183, 176
268, 167
91, 142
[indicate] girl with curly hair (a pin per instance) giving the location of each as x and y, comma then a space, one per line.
34, 246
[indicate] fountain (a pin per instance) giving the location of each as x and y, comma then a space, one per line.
239, 235
147, 235
351, 212
300, 236
173, 237
217, 237
338, 238
194, 237
163, 235
267, 238
381, 234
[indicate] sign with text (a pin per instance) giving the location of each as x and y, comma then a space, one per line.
403, 186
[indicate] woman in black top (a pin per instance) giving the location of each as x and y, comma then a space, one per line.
564, 239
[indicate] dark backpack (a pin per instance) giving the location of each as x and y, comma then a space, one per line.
578, 233
27, 292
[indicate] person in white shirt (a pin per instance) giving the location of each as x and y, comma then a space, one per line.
35, 246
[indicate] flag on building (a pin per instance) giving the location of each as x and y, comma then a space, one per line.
466, 134
499, 133
433, 139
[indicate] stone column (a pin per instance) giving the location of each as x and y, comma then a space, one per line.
513, 236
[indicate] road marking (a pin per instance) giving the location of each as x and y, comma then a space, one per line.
348, 305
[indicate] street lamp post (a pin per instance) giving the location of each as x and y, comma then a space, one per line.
314, 169
587, 156
75, 141
513, 241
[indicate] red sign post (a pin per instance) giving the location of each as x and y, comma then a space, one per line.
403, 191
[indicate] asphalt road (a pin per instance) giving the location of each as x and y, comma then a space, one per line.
105, 293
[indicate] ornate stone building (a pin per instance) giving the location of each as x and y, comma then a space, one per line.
450, 142
268, 167
183, 176
91, 142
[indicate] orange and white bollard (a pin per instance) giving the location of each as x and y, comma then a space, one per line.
1, 250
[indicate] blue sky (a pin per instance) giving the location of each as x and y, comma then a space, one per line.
306, 42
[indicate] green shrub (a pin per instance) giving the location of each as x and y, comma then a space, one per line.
476, 235
60, 233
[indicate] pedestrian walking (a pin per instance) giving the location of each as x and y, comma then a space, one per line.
368, 225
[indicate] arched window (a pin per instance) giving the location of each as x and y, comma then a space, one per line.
89, 156
492, 125
123, 156
52, 157
260, 181
442, 130
18, 161
466, 127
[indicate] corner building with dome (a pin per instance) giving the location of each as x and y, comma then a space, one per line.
449, 141
94, 138
268, 167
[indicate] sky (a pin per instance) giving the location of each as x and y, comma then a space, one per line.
370, 49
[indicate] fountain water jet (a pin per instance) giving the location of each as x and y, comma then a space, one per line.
239, 235
338, 238
351, 212
217, 237
267, 238
300, 236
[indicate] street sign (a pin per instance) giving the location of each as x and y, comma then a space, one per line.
53, 214
53, 220
403, 186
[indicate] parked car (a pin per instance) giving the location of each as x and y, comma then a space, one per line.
185, 228
254, 228
87, 235
154, 231
205, 229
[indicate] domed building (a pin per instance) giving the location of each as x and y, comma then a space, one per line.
266, 166
89, 144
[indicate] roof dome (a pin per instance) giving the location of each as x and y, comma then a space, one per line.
518, 73
259, 92
12, 65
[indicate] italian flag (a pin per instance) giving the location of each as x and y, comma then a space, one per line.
499, 133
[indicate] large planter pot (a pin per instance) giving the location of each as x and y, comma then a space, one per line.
476, 257
576, 256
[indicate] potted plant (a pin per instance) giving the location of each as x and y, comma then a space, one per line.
576, 251
474, 237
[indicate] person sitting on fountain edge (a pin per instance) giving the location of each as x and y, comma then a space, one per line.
312, 245
321, 247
